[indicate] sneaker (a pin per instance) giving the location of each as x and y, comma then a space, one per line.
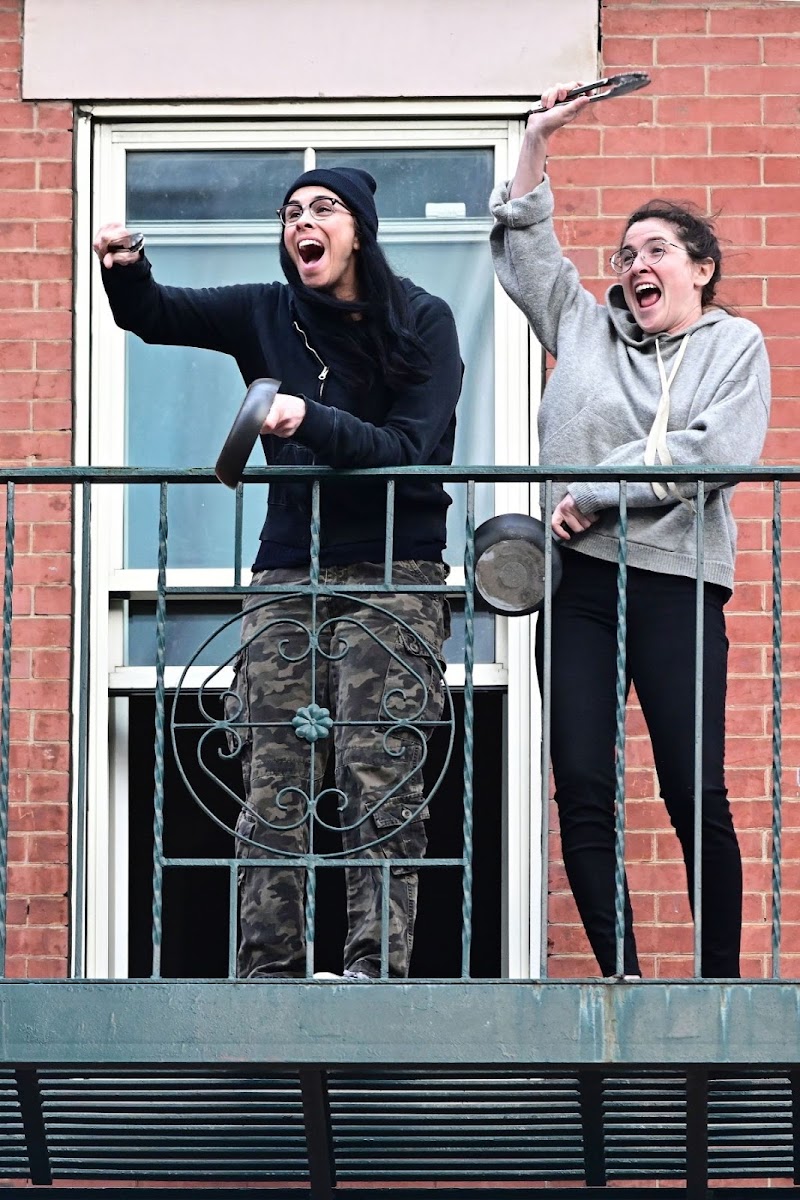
623, 978
357, 976
326, 975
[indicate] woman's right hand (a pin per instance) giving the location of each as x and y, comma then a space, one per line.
555, 115
107, 237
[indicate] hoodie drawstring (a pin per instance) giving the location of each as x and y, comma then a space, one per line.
657, 438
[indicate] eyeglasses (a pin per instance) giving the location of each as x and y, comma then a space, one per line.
649, 254
321, 207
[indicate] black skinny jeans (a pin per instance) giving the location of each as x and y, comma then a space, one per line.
661, 664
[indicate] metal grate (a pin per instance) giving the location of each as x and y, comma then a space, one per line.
174, 1124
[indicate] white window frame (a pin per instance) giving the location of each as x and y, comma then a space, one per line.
104, 134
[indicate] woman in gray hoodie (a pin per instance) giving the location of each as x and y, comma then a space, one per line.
659, 374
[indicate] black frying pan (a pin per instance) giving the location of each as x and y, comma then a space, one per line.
612, 85
509, 564
245, 430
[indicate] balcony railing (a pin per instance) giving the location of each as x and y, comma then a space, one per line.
448, 1080
208, 724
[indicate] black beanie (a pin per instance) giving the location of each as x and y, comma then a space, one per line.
352, 185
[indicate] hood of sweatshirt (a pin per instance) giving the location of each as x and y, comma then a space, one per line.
633, 335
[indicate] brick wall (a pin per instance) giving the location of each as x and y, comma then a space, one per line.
35, 429
717, 127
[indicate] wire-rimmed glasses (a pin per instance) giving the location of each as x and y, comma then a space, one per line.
649, 254
321, 207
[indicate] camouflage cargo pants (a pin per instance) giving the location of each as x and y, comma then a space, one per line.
372, 660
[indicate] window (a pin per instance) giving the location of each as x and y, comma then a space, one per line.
205, 195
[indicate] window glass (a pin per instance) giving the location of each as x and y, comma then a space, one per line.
410, 180
209, 185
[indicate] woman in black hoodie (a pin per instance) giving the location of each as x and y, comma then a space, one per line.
371, 374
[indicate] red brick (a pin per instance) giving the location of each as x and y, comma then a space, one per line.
33, 143
654, 20
47, 910
781, 50
54, 295
53, 415
683, 81
52, 664
578, 139
54, 235
16, 235
11, 24
36, 205
781, 110
48, 446
53, 356
18, 177
587, 171
626, 53
781, 170
757, 81
733, 110
747, 18
40, 880
46, 968
55, 176
48, 326
16, 296
39, 817
48, 848
692, 140
671, 51
54, 116
711, 170
9, 85
622, 201
754, 139
34, 265
35, 385
38, 696
52, 601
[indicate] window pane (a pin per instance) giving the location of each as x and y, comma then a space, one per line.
180, 405
209, 185
461, 273
409, 179
190, 623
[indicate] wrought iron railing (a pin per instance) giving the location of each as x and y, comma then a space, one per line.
313, 722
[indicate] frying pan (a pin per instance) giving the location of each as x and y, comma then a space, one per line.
509, 564
245, 430
613, 85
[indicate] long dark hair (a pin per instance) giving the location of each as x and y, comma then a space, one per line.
381, 347
696, 232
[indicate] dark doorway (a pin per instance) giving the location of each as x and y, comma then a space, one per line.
195, 898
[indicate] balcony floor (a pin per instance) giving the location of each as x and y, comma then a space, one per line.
323, 1084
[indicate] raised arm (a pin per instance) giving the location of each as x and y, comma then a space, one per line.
540, 128
211, 318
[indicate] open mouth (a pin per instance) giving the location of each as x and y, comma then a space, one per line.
647, 294
310, 251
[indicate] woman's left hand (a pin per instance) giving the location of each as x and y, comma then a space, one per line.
286, 415
567, 516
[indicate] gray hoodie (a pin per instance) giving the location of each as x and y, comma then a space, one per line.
600, 401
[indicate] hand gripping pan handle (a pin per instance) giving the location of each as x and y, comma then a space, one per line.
612, 85
245, 430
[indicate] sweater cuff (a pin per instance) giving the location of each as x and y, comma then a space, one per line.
527, 210
590, 497
134, 270
317, 427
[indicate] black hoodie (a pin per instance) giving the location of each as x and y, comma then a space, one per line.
343, 427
